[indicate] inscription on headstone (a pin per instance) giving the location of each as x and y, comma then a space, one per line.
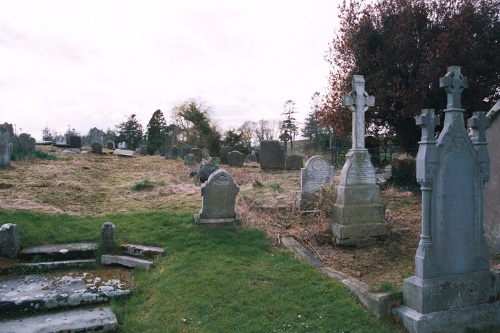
316, 173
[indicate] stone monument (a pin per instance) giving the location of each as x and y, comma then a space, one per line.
492, 187
271, 156
316, 173
96, 148
294, 162
5, 161
197, 153
171, 152
9, 241
235, 159
96, 136
223, 152
358, 213
218, 199
453, 288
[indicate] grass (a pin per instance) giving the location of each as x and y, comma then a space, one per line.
211, 280
146, 185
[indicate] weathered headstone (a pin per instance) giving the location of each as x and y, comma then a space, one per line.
197, 153
218, 199
235, 159
184, 150
205, 170
358, 213
453, 287
24, 144
7, 128
271, 156
61, 141
9, 241
205, 153
108, 236
190, 159
294, 162
316, 173
171, 152
75, 142
223, 152
96, 136
96, 147
5, 161
492, 187
110, 145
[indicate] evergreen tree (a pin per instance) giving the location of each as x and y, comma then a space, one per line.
156, 133
131, 132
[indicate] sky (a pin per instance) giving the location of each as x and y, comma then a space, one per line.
80, 64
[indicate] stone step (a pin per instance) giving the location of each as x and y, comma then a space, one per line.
46, 266
141, 251
63, 289
59, 252
127, 261
96, 319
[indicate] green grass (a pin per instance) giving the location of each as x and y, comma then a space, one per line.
146, 185
211, 280
16, 156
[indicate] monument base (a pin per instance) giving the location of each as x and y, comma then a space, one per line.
198, 220
360, 234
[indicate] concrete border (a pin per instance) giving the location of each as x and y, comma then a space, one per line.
379, 304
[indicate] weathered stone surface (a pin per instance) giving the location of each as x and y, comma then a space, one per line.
492, 187
358, 213
96, 148
24, 144
218, 199
294, 162
223, 152
190, 159
5, 161
271, 156
235, 159
126, 261
205, 153
75, 142
136, 250
108, 236
99, 319
60, 251
184, 150
9, 241
123, 152
317, 172
171, 152
197, 153
205, 170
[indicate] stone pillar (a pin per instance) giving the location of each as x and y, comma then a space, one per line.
108, 236
9, 241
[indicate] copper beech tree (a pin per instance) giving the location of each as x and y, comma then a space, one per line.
402, 48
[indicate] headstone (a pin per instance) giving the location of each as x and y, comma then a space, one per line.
108, 236
24, 144
122, 145
294, 162
218, 199
171, 152
223, 152
9, 241
453, 287
271, 156
75, 142
7, 128
492, 187
184, 150
205, 153
61, 141
358, 213
5, 161
235, 159
96, 148
110, 145
190, 159
316, 173
96, 136
197, 153
205, 170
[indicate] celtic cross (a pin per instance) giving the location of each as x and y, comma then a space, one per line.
454, 83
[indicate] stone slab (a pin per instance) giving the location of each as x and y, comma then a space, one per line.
58, 290
301, 251
123, 152
136, 250
97, 319
60, 251
126, 261
55, 265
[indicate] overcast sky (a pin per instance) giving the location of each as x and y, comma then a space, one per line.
84, 64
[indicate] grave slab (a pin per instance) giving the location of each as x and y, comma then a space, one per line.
123, 152
60, 251
126, 261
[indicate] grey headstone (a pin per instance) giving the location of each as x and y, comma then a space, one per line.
358, 213
316, 173
235, 159
190, 159
223, 152
197, 153
5, 161
7, 128
271, 156
96, 136
24, 144
184, 150
9, 241
205, 170
171, 152
108, 236
75, 142
110, 145
96, 148
452, 268
218, 199
294, 162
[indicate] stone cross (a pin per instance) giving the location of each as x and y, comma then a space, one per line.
427, 121
454, 83
358, 102
479, 123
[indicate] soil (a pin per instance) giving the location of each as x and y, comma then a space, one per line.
89, 184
